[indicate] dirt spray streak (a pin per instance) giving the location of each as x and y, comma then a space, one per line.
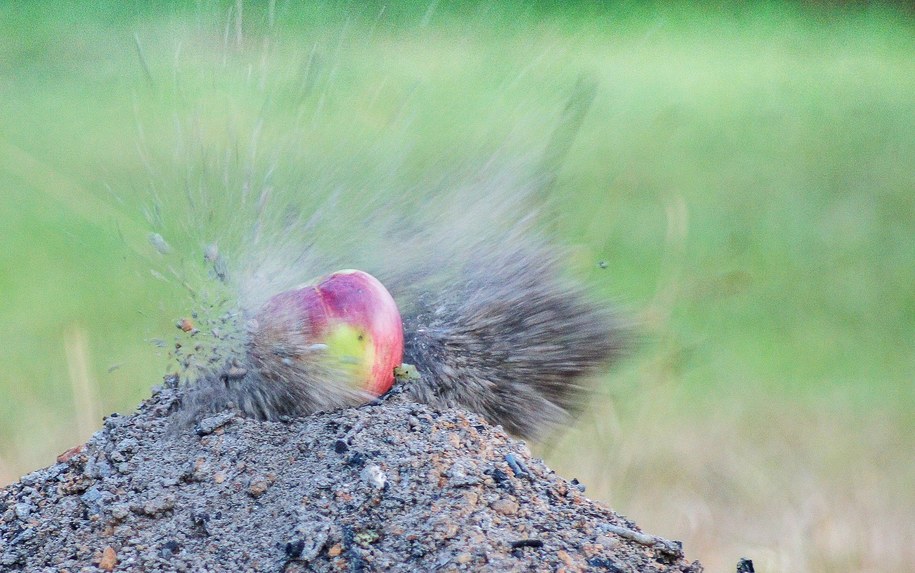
249, 202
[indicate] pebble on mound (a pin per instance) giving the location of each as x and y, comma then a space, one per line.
394, 486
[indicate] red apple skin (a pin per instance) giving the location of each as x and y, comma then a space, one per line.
354, 299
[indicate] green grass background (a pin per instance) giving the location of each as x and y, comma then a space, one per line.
747, 172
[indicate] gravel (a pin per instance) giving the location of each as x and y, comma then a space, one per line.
392, 486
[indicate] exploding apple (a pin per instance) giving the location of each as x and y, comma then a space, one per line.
346, 323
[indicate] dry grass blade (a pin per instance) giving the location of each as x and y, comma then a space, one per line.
85, 395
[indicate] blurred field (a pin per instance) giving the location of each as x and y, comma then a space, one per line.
746, 174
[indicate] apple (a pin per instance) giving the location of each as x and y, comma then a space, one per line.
345, 322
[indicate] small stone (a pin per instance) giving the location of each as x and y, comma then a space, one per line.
72, 452
97, 469
536, 543
92, 499
109, 559
374, 476
462, 474
170, 547
128, 445
517, 465
335, 551
505, 506
565, 558
25, 535
312, 540
159, 505
258, 487
210, 425
607, 542
294, 548
23, 510
119, 511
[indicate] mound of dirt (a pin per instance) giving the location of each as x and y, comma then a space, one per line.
394, 486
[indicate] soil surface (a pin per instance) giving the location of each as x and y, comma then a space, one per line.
393, 486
